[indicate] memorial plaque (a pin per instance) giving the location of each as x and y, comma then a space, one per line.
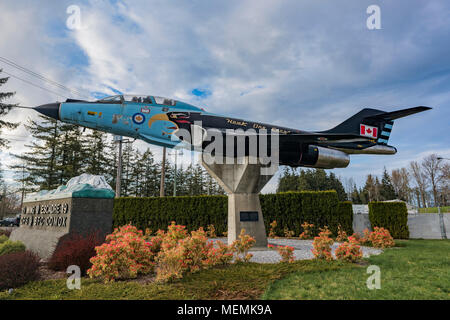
249, 215
45, 222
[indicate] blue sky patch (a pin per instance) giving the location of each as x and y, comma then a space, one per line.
201, 93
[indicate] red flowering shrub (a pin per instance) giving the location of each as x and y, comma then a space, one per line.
381, 238
223, 255
306, 234
17, 269
342, 235
286, 253
242, 246
349, 251
75, 250
188, 254
322, 245
365, 240
174, 253
125, 255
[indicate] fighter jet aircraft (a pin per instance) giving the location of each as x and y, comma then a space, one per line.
161, 121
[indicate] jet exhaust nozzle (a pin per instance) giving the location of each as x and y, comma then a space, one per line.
50, 110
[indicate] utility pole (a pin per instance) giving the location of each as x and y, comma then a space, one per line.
119, 166
175, 150
163, 173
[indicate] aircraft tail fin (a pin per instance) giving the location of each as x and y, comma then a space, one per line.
373, 123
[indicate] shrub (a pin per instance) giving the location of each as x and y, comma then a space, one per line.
6, 232
17, 269
364, 240
170, 264
343, 217
342, 235
157, 213
3, 238
11, 246
183, 253
306, 234
211, 231
381, 238
286, 253
288, 233
291, 209
224, 253
272, 233
392, 216
125, 255
77, 250
349, 251
242, 246
322, 245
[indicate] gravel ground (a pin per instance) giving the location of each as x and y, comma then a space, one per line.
302, 250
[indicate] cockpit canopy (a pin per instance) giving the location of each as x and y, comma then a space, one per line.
140, 99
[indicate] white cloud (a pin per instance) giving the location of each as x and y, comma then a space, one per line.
307, 65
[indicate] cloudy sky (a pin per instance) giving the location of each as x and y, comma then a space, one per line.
301, 64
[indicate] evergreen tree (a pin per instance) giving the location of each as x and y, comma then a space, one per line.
71, 155
112, 160
129, 161
355, 196
335, 184
150, 182
377, 189
387, 191
288, 180
4, 109
370, 189
42, 160
95, 153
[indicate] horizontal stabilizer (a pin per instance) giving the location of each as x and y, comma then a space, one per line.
399, 113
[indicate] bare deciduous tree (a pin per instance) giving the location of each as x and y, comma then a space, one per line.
400, 181
433, 169
420, 180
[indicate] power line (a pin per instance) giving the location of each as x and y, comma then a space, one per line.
41, 77
31, 83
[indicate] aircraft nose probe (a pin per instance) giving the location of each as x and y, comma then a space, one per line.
50, 110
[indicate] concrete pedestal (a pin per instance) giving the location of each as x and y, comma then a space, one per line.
242, 182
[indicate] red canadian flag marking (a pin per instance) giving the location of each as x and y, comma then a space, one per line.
368, 131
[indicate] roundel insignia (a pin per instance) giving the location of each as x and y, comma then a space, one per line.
138, 118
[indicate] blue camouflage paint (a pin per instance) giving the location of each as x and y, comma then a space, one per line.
120, 119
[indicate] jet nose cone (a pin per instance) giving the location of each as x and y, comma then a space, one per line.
50, 110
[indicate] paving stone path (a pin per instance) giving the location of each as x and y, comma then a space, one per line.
302, 250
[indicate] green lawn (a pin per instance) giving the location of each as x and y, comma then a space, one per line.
417, 269
434, 210
237, 281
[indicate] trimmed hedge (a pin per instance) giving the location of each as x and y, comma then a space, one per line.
392, 216
157, 213
289, 209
